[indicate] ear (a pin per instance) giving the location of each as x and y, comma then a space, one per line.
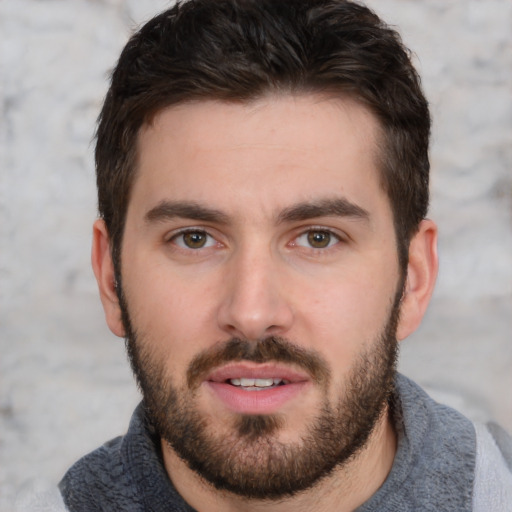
103, 267
421, 277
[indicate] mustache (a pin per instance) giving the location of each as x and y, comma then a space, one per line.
271, 349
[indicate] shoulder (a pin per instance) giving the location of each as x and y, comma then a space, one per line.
102, 464
433, 427
95, 479
40, 495
454, 455
493, 469
434, 464
119, 475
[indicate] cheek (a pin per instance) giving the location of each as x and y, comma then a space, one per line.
348, 315
169, 313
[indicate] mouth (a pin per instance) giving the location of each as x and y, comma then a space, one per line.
254, 388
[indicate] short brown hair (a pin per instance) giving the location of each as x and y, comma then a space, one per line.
239, 50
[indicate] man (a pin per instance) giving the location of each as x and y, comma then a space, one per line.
262, 173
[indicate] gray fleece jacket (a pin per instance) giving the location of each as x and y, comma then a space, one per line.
443, 463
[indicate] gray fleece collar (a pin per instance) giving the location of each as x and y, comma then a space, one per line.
435, 460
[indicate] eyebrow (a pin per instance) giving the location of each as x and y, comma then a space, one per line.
339, 207
166, 210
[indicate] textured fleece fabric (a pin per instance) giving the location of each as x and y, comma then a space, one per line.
435, 467
493, 471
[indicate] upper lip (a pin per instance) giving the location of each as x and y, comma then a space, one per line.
256, 371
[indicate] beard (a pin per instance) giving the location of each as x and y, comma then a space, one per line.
250, 461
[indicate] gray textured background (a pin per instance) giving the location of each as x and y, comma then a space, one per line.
65, 386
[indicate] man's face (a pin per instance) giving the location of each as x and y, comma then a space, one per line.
261, 286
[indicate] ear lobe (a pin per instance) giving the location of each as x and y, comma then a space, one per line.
421, 277
103, 268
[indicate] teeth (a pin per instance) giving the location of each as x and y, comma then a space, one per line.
263, 383
257, 383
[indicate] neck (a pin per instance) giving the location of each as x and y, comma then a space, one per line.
345, 489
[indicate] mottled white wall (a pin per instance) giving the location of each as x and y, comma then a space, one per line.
65, 386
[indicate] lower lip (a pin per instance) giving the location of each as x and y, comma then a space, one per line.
267, 401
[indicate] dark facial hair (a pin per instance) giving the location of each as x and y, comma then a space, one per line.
250, 461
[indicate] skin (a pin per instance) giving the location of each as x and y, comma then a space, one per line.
257, 274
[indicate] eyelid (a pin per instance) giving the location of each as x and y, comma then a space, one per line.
319, 227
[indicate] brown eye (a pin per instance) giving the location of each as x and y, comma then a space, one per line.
193, 240
319, 239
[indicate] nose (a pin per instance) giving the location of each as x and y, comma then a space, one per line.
254, 303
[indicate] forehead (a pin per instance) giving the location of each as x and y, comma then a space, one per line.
276, 149
318, 115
